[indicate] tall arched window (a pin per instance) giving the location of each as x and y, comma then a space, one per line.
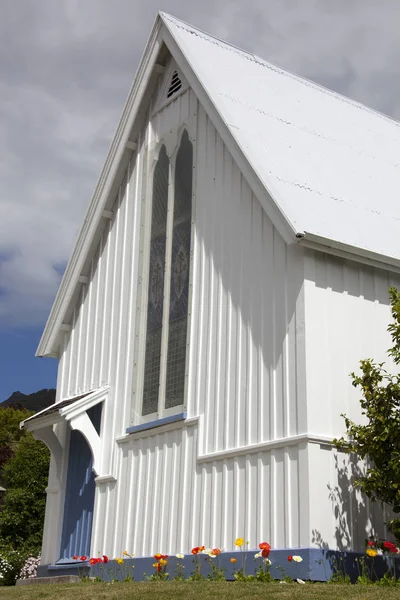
180, 263
155, 302
168, 297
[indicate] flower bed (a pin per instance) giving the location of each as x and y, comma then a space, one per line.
379, 564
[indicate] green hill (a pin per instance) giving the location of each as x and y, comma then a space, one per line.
34, 402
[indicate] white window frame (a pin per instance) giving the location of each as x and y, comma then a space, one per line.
172, 142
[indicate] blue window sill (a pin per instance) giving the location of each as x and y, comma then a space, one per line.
157, 423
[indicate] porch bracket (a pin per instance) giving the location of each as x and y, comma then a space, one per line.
83, 424
48, 437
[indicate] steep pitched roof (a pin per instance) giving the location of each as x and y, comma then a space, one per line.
332, 165
323, 166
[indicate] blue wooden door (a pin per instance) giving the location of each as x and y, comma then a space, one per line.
79, 494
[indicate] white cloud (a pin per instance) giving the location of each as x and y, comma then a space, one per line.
67, 67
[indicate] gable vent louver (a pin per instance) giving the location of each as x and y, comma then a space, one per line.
175, 85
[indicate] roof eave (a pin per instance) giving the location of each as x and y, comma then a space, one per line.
347, 251
49, 342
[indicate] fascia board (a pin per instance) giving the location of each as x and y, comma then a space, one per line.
346, 251
264, 192
75, 409
44, 410
45, 421
47, 344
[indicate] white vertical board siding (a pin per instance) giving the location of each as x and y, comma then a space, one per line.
246, 383
347, 312
248, 309
340, 516
99, 349
165, 501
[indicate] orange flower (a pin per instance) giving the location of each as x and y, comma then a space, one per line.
92, 561
233, 560
201, 548
75, 557
195, 550
158, 556
216, 551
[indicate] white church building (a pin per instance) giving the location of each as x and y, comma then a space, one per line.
231, 271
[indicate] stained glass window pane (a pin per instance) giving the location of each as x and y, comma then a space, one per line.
156, 284
180, 265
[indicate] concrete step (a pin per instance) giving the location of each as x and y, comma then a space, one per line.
54, 579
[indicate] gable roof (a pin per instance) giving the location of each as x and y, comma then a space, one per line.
323, 166
332, 165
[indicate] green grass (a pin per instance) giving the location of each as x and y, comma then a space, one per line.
199, 591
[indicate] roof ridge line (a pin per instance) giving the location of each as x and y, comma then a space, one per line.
285, 72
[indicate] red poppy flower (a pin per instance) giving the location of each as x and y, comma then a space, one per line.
158, 556
92, 561
75, 557
195, 550
216, 551
388, 545
264, 546
99, 560
83, 558
265, 552
105, 558
290, 558
370, 543
394, 550
164, 556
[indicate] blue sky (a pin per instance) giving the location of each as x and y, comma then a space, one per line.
66, 69
19, 369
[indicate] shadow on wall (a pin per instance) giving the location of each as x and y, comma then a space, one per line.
356, 518
356, 279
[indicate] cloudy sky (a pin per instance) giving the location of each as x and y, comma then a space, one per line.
66, 67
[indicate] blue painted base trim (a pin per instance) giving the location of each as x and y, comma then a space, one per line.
65, 562
317, 565
67, 566
157, 423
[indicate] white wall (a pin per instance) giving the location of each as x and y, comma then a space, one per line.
166, 500
247, 310
347, 312
269, 360
237, 468
243, 385
246, 382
